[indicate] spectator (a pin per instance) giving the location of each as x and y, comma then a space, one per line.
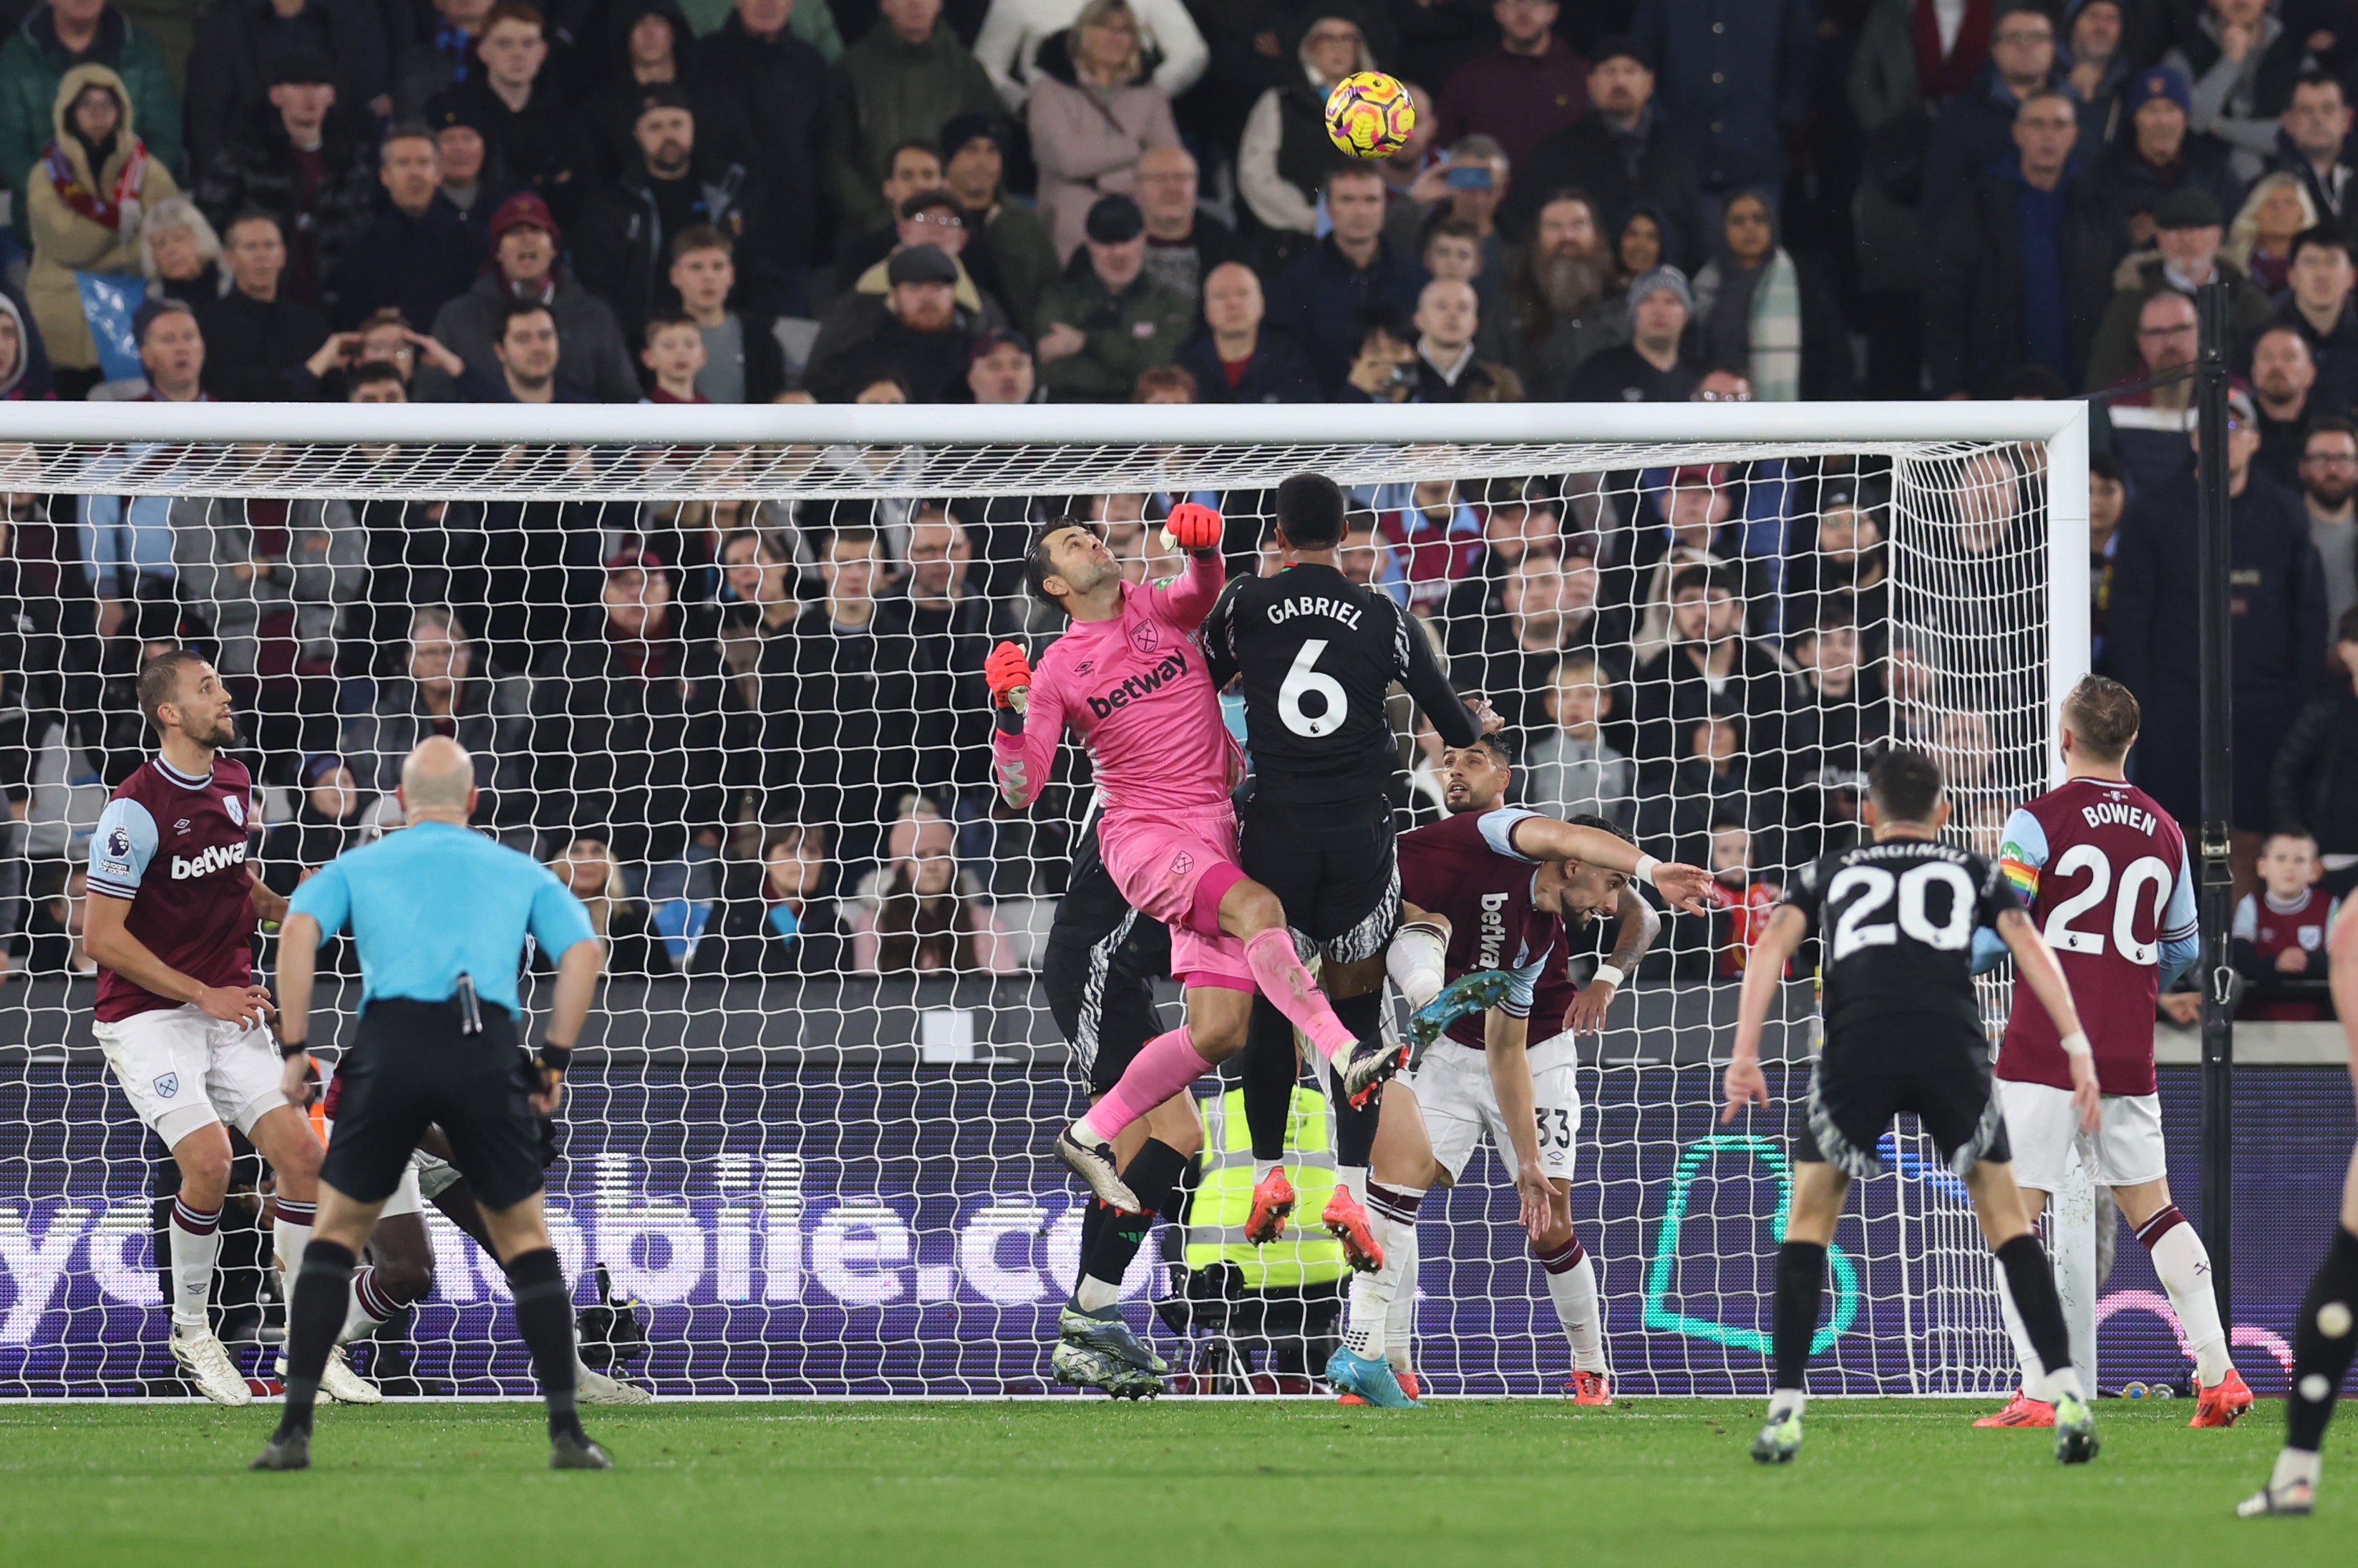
2279, 933
2321, 311
1650, 367
1977, 127
1568, 768
329, 818
1021, 38
180, 251
1549, 605
1519, 515
742, 360
2329, 479
2156, 154
2309, 143
1530, 87
902, 81
912, 168
24, 365
919, 914
973, 167
419, 253
1706, 667
933, 217
470, 184
65, 34
1000, 369
256, 339
1183, 243
2096, 61
623, 249
1453, 250
1560, 307
649, 45
2278, 634
1475, 178
385, 340
776, 920
1757, 311
1240, 356
1168, 384
82, 201
298, 164
376, 380
2282, 375
531, 132
523, 266
627, 737
1898, 79
918, 329
1319, 296
931, 638
528, 351
587, 868
442, 58
2277, 211
1845, 576
2243, 63
1446, 369
1735, 80
1285, 159
674, 356
1619, 156
1837, 721
1711, 782
1382, 354
1090, 122
820, 684
772, 85
2188, 231
171, 352
1106, 320
241, 45
437, 693
2314, 781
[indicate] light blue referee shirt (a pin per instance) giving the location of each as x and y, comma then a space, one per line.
437, 900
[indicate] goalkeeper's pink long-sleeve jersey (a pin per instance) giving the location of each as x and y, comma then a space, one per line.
1136, 691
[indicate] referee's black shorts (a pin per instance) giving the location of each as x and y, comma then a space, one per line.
1334, 867
1102, 960
1933, 1067
411, 1066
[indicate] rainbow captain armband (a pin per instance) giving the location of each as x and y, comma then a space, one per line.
2020, 873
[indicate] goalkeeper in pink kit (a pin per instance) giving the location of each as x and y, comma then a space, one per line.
1128, 680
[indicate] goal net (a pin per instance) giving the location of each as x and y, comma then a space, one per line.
721, 669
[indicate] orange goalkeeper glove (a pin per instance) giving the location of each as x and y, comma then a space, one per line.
1007, 671
1195, 527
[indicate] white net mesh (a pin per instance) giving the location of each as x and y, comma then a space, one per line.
735, 696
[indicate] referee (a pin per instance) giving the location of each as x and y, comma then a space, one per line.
440, 914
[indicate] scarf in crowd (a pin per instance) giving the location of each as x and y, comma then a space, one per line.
1773, 340
118, 209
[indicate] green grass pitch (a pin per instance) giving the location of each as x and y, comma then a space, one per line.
1054, 1485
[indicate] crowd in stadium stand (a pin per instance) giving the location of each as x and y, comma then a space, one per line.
1110, 201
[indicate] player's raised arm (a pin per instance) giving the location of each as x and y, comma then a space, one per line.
1546, 838
1196, 529
1744, 1083
1458, 722
2034, 960
1031, 720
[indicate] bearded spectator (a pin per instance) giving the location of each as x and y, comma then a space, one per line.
1240, 356
2282, 376
523, 266
1559, 312
2329, 478
916, 330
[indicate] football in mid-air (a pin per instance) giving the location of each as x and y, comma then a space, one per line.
1370, 114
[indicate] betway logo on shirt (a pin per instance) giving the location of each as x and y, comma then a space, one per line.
1494, 930
204, 863
1140, 686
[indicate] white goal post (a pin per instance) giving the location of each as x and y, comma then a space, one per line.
834, 1177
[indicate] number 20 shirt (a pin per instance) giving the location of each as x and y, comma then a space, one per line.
2104, 872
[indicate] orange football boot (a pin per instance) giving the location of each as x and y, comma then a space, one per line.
1589, 1388
2223, 1402
1273, 1204
1347, 1221
2021, 1411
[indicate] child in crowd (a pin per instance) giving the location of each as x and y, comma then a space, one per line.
2279, 933
674, 356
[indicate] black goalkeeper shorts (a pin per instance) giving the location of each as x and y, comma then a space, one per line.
1103, 958
1334, 869
412, 1067
1940, 1072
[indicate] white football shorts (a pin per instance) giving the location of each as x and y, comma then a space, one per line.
2039, 1122
183, 1070
1452, 1089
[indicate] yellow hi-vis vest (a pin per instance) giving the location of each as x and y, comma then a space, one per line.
1223, 1201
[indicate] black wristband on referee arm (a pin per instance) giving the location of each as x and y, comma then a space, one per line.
290, 1049
554, 1057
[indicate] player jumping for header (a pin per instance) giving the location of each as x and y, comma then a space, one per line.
1128, 678
1318, 655
2103, 871
171, 921
1903, 1032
